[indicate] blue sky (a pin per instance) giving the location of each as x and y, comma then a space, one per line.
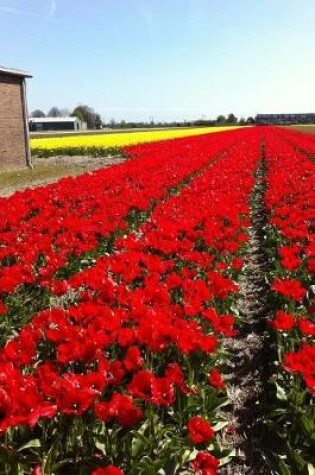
164, 59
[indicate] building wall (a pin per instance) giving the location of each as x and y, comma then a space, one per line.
48, 126
285, 119
12, 132
45, 126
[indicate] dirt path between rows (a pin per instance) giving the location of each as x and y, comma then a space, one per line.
248, 352
50, 170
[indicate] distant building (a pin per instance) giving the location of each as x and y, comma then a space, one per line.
14, 134
285, 119
47, 124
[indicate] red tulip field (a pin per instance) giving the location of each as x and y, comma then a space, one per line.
158, 317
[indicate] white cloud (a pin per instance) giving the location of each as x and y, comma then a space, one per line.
52, 8
32, 13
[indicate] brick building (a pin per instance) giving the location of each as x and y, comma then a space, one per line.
285, 119
14, 134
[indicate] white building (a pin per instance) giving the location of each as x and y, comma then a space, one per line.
43, 124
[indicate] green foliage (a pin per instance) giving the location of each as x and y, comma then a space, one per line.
290, 448
92, 151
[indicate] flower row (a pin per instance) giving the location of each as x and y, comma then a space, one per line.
101, 144
132, 366
290, 201
41, 229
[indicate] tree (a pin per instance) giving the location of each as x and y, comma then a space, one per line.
232, 119
221, 119
88, 115
54, 112
38, 113
242, 121
250, 120
98, 121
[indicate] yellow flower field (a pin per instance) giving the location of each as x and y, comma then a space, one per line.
96, 143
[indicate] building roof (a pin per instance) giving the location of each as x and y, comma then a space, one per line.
53, 119
14, 72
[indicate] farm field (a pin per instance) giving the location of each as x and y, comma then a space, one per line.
158, 317
51, 169
102, 144
307, 129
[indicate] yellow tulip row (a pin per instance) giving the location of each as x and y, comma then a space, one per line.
116, 140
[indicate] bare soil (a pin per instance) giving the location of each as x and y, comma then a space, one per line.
51, 169
307, 129
248, 353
